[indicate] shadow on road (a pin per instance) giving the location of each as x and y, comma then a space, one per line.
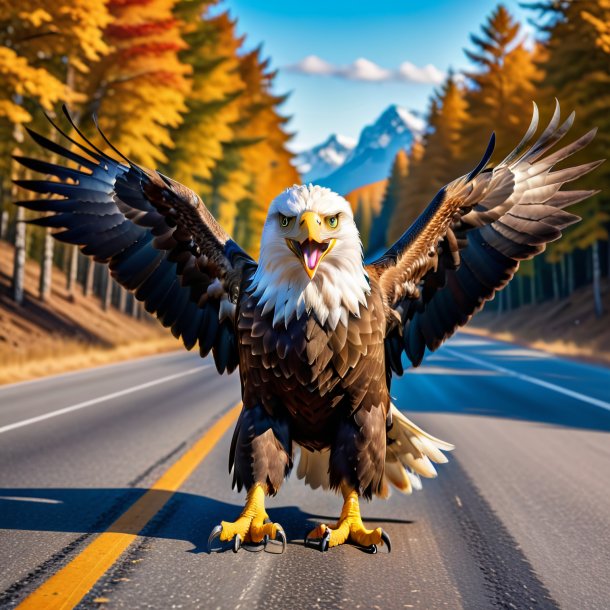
186, 517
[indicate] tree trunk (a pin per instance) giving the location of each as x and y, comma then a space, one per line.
88, 284
3, 224
520, 291
555, 275
72, 270
122, 299
19, 262
533, 288
3, 212
597, 293
538, 274
570, 273
564, 276
589, 267
107, 292
46, 267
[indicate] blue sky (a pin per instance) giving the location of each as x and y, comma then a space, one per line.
341, 96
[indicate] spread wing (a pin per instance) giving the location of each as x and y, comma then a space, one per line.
156, 235
468, 242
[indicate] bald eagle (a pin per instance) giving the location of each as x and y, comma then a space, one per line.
317, 334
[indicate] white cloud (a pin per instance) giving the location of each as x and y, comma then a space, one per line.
429, 74
363, 69
313, 65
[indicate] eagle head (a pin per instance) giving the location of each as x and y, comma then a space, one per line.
310, 258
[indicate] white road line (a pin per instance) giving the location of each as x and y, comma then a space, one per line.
95, 401
540, 382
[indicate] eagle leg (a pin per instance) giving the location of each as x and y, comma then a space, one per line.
252, 526
348, 528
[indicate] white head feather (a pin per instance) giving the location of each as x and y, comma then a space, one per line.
340, 284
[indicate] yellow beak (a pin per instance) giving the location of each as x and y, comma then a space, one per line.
309, 246
310, 225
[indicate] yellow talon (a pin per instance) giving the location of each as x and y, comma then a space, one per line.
349, 527
252, 524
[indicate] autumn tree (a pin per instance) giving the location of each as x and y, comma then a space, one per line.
444, 145
39, 47
414, 199
393, 198
256, 164
501, 87
138, 90
212, 108
576, 72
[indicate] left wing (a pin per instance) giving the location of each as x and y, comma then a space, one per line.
156, 235
468, 242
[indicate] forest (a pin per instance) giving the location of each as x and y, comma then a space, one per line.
180, 91
174, 89
569, 61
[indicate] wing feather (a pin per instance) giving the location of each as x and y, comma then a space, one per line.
468, 242
156, 235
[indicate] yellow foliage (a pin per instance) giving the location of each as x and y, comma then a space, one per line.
502, 90
601, 23
138, 89
19, 78
211, 105
36, 17
55, 28
256, 165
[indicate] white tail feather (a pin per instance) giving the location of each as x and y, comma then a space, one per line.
412, 451
313, 467
409, 454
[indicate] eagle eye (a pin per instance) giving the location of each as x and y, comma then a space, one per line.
332, 221
285, 221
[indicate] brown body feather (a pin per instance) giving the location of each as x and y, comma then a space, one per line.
329, 386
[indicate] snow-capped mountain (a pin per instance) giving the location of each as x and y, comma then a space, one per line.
371, 160
325, 158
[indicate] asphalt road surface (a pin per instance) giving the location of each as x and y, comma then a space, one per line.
519, 517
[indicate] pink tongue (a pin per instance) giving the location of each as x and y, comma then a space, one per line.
312, 255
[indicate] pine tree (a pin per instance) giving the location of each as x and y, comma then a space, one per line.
502, 87
362, 220
138, 90
39, 45
600, 20
256, 165
576, 69
414, 201
394, 197
444, 146
211, 103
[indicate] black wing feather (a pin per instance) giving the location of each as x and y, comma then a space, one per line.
116, 212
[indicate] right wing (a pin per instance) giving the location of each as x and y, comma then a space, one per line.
469, 241
156, 235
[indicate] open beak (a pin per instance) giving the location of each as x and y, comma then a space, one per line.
309, 247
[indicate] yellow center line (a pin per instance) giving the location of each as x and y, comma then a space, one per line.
66, 588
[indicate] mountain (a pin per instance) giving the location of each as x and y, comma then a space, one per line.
325, 158
371, 160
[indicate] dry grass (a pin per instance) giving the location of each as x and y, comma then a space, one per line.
566, 327
67, 333
558, 347
80, 356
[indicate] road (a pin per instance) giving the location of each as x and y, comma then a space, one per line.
519, 517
